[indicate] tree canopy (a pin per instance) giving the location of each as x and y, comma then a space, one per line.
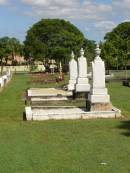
116, 48
9, 48
53, 38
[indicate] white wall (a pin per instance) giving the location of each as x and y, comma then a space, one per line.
22, 68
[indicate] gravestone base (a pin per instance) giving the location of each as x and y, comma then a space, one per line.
99, 98
99, 95
82, 85
71, 85
98, 106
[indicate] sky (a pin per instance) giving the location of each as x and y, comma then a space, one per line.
93, 17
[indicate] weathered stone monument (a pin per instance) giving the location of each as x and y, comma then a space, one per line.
73, 73
99, 100
82, 84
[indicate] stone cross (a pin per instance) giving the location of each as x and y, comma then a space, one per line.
82, 84
73, 73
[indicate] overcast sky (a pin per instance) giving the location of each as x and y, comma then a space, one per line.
93, 17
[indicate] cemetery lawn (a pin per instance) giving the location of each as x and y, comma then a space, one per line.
80, 146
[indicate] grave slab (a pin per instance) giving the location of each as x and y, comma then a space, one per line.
48, 92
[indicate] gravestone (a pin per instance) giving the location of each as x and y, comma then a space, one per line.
1, 82
82, 84
99, 100
73, 73
61, 76
8, 74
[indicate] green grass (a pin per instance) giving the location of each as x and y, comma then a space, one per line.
62, 146
11, 98
120, 96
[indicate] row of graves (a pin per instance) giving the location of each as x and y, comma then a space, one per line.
97, 99
5, 78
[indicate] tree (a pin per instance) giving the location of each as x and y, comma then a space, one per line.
16, 48
116, 48
89, 47
9, 48
53, 38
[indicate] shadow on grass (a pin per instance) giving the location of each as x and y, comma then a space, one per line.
24, 116
125, 125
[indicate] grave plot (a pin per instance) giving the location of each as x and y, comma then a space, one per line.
52, 103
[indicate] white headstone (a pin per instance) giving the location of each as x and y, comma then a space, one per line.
1, 82
82, 84
73, 73
8, 73
5, 79
98, 93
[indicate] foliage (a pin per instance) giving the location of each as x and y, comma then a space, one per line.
89, 47
116, 48
9, 48
53, 38
33, 67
